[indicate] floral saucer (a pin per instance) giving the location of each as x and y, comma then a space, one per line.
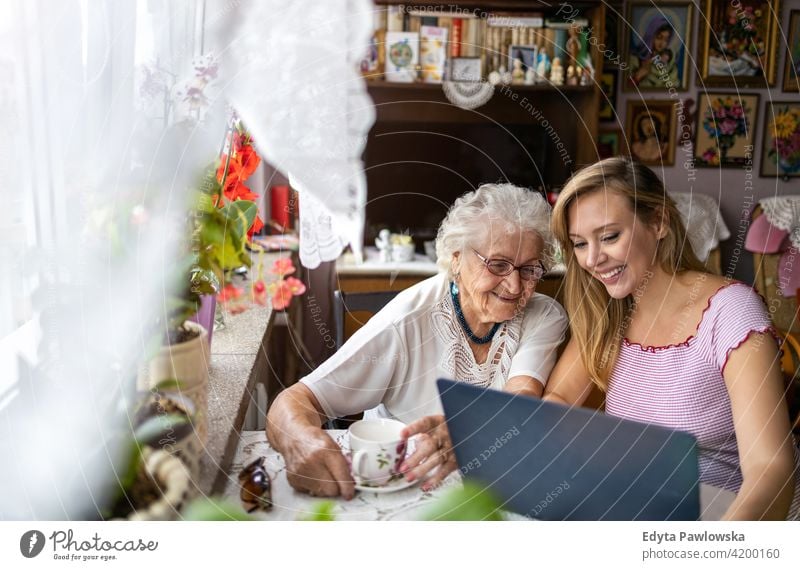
392, 486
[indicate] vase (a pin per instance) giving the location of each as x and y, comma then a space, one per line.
788, 167
206, 314
188, 363
725, 143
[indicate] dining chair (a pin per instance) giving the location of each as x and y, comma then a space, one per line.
344, 303
790, 365
368, 302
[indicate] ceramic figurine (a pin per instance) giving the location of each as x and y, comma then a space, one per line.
573, 45
585, 75
557, 72
494, 78
530, 76
505, 76
517, 74
383, 243
572, 79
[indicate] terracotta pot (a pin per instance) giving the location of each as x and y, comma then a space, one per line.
188, 363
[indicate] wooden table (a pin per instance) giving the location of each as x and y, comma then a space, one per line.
407, 504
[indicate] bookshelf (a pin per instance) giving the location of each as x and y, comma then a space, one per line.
423, 151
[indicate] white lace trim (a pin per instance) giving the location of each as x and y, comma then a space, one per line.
458, 361
703, 221
784, 214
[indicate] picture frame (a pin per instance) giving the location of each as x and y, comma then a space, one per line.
467, 69
725, 128
608, 99
609, 143
780, 151
657, 45
650, 131
738, 43
791, 68
526, 53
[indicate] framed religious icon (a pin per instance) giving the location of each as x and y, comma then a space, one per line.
650, 131
738, 43
780, 154
725, 131
608, 98
657, 40
791, 70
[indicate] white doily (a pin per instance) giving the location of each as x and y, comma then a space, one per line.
784, 214
468, 94
458, 360
290, 70
703, 220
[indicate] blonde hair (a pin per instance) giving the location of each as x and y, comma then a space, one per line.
518, 208
597, 320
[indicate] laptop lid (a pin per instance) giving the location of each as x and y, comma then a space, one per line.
552, 462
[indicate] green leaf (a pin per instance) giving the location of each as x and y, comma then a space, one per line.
214, 509
169, 384
322, 511
241, 214
470, 503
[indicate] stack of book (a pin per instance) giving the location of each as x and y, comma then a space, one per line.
432, 45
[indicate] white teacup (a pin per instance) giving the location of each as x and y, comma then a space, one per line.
377, 450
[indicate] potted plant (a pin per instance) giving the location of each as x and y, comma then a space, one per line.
223, 218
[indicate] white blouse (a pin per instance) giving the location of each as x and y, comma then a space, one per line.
389, 367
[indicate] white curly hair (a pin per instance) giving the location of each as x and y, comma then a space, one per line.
471, 214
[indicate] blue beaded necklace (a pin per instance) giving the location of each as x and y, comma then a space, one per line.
463, 321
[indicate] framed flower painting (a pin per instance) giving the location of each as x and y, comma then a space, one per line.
725, 129
780, 155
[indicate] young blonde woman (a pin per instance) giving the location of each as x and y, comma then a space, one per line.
669, 343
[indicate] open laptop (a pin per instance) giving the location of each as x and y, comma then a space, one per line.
552, 462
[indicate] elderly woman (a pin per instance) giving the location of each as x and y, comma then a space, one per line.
477, 321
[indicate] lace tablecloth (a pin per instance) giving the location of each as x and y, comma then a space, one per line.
703, 221
406, 504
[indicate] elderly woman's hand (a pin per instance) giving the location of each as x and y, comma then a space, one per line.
315, 465
433, 449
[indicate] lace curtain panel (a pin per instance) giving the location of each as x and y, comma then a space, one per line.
291, 72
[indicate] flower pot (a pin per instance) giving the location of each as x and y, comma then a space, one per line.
205, 316
167, 480
188, 363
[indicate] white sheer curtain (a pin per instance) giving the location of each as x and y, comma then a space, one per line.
101, 145
90, 196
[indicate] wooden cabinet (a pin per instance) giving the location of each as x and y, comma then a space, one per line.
424, 151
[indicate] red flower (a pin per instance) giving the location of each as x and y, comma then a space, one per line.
282, 296
282, 266
295, 286
229, 293
260, 292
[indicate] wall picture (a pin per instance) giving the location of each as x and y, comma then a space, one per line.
609, 143
608, 99
657, 44
650, 131
725, 129
780, 153
791, 70
737, 43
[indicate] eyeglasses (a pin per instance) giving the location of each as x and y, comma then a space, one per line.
501, 268
256, 488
